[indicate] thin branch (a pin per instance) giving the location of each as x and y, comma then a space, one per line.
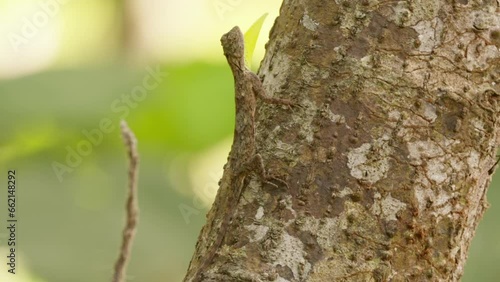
492, 169
132, 206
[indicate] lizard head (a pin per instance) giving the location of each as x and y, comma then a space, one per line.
234, 46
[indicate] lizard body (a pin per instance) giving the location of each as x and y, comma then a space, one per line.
243, 158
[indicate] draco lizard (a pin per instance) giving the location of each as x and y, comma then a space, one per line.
243, 159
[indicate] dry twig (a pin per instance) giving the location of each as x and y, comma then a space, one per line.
132, 206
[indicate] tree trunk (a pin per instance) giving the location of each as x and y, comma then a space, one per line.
387, 159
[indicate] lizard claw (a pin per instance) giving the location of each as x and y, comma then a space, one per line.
276, 179
296, 106
292, 104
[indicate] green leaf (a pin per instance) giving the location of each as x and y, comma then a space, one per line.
251, 37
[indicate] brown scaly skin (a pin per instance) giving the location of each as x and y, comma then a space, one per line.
243, 159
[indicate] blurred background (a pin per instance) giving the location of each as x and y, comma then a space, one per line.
69, 71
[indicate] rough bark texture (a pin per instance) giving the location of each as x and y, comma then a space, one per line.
387, 159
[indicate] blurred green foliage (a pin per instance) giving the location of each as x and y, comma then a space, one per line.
70, 230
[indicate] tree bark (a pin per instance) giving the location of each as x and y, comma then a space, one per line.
387, 158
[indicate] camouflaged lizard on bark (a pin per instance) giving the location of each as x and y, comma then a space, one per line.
243, 159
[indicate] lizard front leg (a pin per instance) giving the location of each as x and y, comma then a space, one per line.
259, 91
